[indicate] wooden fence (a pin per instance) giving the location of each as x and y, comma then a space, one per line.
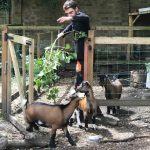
8, 56
89, 51
9, 59
39, 31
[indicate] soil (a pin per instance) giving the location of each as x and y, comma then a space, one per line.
128, 130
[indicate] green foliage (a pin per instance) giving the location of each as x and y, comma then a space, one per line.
46, 68
52, 94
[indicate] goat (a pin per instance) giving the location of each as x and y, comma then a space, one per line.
88, 105
113, 90
54, 116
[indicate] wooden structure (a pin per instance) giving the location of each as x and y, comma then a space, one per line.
133, 17
39, 31
112, 40
8, 57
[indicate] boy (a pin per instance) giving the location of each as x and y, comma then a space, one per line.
80, 26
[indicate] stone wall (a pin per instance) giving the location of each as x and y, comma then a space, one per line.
101, 12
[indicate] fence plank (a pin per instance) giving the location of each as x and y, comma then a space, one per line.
21, 128
19, 39
129, 102
9, 83
31, 68
122, 40
123, 28
16, 69
46, 28
38, 45
88, 57
24, 66
4, 73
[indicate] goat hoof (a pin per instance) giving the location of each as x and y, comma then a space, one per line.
94, 128
29, 129
73, 144
86, 129
52, 146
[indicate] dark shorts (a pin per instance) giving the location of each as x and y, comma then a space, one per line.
79, 49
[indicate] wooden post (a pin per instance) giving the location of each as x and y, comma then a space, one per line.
24, 66
52, 37
88, 57
9, 66
31, 68
59, 38
130, 34
4, 72
38, 45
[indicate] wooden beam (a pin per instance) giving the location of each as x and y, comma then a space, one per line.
52, 37
136, 18
21, 128
129, 102
24, 66
4, 72
16, 69
19, 39
46, 28
31, 68
88, 57
112, 62
122, 40
121, 28
9, 66
38, 45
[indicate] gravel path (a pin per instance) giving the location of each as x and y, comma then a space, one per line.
128, 130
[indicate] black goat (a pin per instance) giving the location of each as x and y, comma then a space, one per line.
113, 90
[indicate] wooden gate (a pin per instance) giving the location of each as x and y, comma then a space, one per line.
9, 59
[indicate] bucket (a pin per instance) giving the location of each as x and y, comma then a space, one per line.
138, 78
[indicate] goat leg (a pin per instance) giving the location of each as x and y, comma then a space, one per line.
114, 109
30, 127
70, 140
78, 118
52, 139
86, 123
93, 122
108, 109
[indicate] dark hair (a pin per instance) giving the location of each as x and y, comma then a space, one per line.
70, 4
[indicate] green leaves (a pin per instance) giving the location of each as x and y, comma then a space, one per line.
52, 93
46, 68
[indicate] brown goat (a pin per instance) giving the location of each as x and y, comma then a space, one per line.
88, 104
113, 90
54, 116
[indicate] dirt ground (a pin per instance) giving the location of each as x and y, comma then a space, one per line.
128, 130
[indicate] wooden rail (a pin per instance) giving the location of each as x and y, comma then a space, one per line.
122, 40
129, 102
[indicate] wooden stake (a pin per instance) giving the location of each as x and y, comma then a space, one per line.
31, 68
4, 72
88, 57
